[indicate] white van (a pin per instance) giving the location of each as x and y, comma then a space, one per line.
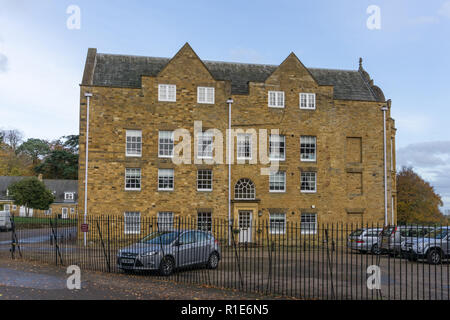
5, 221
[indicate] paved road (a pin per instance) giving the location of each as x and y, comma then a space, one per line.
23, 280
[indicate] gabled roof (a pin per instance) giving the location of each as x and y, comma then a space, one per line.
60, 186
126, 71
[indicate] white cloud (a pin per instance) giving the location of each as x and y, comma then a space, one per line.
39, 94
431, 160
445, 9
3, 62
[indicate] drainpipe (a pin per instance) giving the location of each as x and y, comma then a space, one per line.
384, 109
230, 102
88, 96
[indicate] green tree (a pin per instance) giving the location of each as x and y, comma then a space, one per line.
71, 143
59, 164
417, 202
31, 193
34, 148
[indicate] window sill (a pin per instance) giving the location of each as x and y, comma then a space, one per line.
309, 192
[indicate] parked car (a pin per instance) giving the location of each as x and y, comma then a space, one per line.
5, 221
392, 237
434, 246
365, 240
167, 250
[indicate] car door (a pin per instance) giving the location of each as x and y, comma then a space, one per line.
185, 249
203, 247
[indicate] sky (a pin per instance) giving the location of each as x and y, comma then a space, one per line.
42, 56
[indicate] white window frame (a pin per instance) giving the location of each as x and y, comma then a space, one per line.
199, 179
242, 139
133, 148
69, 196
204, 218
48, 212
7, 207
273, 176
277, 216
72, 210
164, 218
205, 153
64, 212
14, 207
308, 230
161, 175
276, 99
167, 92
128, 175
315, 148
273, 144
315, 181
208, 95
167, 135
132, 222
307, 101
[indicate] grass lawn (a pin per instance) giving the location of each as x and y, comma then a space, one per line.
38, 221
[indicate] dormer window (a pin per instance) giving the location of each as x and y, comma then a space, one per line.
308, 101
276, 99
167, 92
205, 95
68, 195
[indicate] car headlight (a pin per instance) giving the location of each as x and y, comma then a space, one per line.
150, 253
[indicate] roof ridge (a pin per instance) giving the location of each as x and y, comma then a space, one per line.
220, 61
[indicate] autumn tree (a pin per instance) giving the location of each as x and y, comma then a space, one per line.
417, 202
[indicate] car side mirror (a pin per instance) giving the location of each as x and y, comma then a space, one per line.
177, 243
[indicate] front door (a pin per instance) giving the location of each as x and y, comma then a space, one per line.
245, 226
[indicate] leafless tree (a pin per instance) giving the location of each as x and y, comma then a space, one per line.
12, 137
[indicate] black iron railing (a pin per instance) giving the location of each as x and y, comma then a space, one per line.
325, 261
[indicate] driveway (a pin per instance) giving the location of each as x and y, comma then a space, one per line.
24, 280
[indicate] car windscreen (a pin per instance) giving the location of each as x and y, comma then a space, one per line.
387, 232
357, 233
437, 234
163, 237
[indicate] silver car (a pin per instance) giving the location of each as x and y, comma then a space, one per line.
364, 240
434, 246
392, 237
167, 250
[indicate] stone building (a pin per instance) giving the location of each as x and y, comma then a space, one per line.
329, 143
65, 204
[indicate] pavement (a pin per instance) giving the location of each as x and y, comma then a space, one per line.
25, 280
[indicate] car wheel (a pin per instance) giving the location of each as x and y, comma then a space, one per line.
376, 249
213, 261
412, 257
128, 271
434, 256
166, 266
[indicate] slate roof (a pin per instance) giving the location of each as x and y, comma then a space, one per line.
126, 71
58, 185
